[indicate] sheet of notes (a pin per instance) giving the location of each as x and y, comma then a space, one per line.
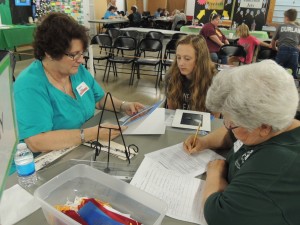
176, 159
180, 192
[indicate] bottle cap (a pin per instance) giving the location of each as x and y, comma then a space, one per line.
21, 146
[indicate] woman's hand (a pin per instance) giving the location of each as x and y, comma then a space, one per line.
104, 131
191, 147
131, 108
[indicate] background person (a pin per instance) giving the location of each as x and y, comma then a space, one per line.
157, 13
258, 183
111, 13
135, 17
287, 37
190, 75
249, 43
214, 37
56, 95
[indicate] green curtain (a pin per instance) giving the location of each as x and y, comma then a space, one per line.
5, 13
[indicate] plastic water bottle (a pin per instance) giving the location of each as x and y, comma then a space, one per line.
25, 166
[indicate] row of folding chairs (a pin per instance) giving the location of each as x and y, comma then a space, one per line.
129, 50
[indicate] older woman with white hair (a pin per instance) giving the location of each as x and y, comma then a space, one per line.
259, 183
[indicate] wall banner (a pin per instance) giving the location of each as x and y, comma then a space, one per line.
252, 4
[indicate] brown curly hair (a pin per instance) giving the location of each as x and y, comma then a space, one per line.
203, 73
54, 35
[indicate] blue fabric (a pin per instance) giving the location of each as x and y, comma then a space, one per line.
91, 214
41, 107
108, 14
288, 58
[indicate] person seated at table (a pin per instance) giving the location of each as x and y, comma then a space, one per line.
214, 38
259, 181
135, 17
56, 95
157, 13
183, 16
249, 43
164, 13
190, 75
110, 13
176, 18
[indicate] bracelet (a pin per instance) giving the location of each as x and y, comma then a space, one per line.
82, 136
121, 106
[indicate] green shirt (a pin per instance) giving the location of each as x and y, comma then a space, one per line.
264, 185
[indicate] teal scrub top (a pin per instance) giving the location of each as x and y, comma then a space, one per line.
41, 107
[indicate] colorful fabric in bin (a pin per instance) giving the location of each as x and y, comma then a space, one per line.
94, 216
90, 211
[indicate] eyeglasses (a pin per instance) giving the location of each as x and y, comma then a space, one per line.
75, 57
228, 126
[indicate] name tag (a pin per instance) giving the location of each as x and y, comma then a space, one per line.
82, 88
237, 145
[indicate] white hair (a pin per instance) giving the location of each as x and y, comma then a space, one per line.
255, 94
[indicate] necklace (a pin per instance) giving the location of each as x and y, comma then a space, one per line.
63, 86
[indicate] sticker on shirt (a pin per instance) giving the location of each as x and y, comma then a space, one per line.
237, 145
82, 88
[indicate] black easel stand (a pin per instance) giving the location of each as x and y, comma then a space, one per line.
97, 145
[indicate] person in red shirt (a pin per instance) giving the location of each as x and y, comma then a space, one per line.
249, 43
214, 37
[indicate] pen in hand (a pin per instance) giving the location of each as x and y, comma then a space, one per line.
196, 134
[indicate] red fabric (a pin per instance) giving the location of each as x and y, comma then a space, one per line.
75, 216
208, 30
117, 217
249, 43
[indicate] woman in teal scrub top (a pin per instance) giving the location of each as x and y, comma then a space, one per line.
55, 95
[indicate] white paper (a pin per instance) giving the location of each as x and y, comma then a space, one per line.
181, 193
152, 124
190, 119
16, 204
176, 159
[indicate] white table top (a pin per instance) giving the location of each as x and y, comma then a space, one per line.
110, 21
146, 30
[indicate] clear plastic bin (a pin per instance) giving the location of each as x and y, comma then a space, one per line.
85, 181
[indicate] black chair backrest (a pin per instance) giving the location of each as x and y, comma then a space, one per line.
233, 50
179, 24
114, 33
125, 43
155, 35
103, 40
170, 48
131, 33
177, 36
265, 53
150, 45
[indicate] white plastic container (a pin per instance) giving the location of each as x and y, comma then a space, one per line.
85, 181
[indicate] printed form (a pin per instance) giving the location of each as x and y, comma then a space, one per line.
181, 193
176, 159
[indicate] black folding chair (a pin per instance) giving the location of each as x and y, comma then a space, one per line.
104, 42
128, 47
233, 50
148, 45
167, 59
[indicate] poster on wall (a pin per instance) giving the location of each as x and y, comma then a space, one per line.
203, 9
70, 7
251, 12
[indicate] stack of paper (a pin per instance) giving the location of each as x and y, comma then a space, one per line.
169, 175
